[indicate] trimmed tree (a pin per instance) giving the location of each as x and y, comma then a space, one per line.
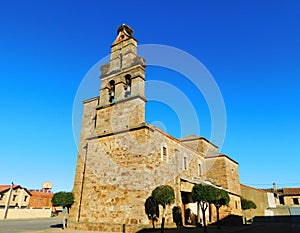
221, 198
64, 199
246, 205
163, 195
203, 195
152, 210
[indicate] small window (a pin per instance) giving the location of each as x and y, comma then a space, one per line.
199, 169
184, 163
1, 197
95, 121
236, 205
25, 198
296, 201
281, 200
164, 153
14, 197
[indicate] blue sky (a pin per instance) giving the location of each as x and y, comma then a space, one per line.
251, 48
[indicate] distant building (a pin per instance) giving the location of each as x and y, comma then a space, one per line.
18, 196
42, 198
273, 201
286, 196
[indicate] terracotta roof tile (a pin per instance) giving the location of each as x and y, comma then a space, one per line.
5, 187
291, 191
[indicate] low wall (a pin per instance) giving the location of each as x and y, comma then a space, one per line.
26, 213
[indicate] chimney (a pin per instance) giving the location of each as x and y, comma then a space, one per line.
274, 187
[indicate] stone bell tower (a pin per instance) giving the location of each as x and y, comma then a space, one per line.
122, 102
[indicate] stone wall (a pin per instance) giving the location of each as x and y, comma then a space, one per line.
120, 116
223, 171
199, 144
124, 168
259, 197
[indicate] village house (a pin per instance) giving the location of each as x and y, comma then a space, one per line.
14, 196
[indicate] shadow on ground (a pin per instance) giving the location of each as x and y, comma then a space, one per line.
233, 224
57, 226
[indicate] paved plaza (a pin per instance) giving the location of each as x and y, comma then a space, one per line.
54, 225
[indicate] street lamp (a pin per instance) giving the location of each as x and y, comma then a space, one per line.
7, 201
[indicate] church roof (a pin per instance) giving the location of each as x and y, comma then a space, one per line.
190, 137
193, 137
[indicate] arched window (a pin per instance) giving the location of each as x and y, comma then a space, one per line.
127, 85
112, 91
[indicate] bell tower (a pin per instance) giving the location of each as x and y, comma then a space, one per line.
122, 102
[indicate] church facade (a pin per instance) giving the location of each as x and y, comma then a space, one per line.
121, 158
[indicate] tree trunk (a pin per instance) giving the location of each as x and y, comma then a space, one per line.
218, 217
204, 220
198, 214
163, 219
153, 225
203, 208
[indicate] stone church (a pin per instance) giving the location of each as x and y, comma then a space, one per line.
121, 158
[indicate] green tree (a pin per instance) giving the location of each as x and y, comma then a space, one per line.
163, 195
220, 198
246, 205
203, 195
64, 199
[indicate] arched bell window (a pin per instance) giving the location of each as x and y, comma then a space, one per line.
127, 85
112, 91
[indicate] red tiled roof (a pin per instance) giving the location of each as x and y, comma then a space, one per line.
41, 194
291, 191
6, 187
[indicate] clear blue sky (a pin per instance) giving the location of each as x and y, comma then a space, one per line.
252, 49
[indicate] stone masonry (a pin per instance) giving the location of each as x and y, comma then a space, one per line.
121, 158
